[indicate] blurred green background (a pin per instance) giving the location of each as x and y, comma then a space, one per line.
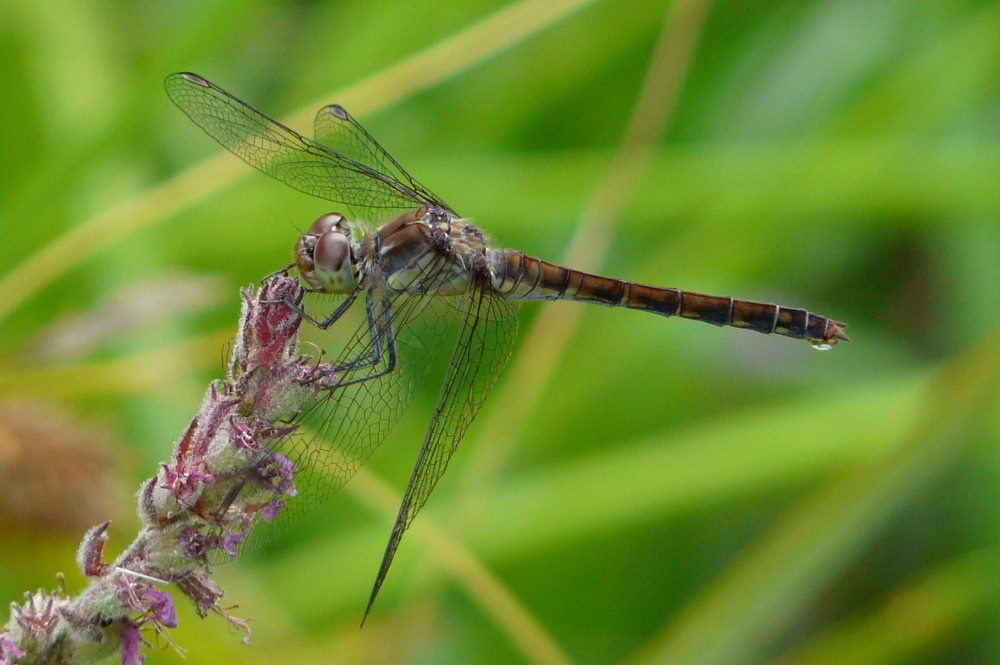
636, 490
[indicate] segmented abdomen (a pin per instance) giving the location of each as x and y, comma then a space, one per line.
515, 275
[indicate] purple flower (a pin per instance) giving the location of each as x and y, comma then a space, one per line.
8, 650
150, 603
131, 639
205, 498
231, 540
194, 542
188, 472
38, 616
272, 509
89, 555
199, 587
285, 469
269, 325
243, 437
162, 606
236, 622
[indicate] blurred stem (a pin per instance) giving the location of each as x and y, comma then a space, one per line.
551, 332
746, 607
421, 71
139, 374
496, 600
913, 619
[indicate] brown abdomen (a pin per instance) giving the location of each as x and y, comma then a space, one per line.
518, 276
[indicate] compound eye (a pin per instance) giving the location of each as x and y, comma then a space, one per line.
332, 264
331, 221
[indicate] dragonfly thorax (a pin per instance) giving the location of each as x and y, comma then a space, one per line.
324, 255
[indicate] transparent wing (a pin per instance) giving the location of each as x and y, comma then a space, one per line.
337, 129
483, 345
371, 190
343, 427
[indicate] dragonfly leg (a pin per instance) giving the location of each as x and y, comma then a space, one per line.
332, 318
280, 271
373, 359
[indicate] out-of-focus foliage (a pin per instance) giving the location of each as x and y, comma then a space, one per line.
637, 490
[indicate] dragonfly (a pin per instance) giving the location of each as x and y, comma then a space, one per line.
425, 281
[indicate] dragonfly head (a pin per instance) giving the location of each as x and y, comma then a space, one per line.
323, 255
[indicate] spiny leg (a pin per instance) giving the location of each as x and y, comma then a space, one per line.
372, 359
